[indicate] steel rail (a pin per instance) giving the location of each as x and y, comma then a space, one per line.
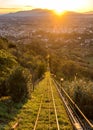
54, 106
38, 113
86, 119
75, 122
49, 107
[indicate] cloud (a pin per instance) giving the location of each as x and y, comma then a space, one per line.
8, 10
28, 6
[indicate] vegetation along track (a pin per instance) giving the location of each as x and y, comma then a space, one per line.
45, 111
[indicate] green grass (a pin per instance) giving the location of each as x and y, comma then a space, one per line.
28, 113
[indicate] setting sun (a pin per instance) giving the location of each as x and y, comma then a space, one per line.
61, 5
59, 11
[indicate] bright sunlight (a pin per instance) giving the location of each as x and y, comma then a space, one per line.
59, 6
59, 10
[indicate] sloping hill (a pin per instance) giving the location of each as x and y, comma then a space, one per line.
34, 12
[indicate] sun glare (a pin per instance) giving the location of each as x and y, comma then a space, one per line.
59, 6
59, 11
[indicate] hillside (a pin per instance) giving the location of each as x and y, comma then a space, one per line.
31, 13
41, 12
90, 12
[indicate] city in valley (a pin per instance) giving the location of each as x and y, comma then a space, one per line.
71, 34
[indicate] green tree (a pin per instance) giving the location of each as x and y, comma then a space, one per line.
20, 84
7, 64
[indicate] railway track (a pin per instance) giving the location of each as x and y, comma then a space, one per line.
47, 114
77, 122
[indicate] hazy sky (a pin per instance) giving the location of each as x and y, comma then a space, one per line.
58, 5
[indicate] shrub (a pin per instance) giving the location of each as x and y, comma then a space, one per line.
81, 91
69, 69
7, 64
3, 43
20, 84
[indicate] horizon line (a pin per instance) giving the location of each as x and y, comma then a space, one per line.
20, 9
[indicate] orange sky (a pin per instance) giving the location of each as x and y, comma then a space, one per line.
7, 6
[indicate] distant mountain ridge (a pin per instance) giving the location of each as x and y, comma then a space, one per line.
90, 12
42, 12
34, 12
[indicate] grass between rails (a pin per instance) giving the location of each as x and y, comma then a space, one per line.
63, 119
28, 113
